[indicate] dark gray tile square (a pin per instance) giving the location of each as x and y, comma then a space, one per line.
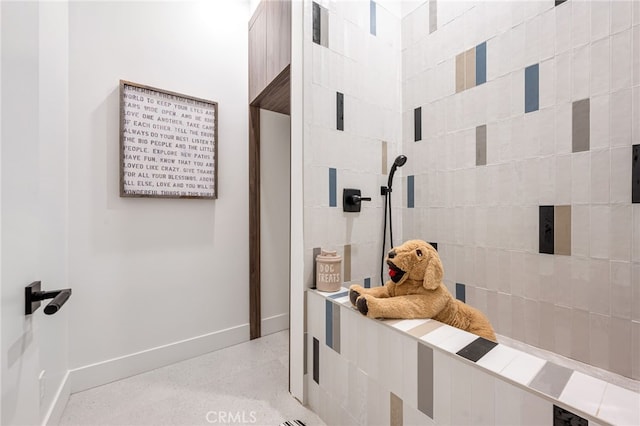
635, 174
562, 417
417, 124
316, 23
340, 111
316, 360
546, 230
477, 349
460, 292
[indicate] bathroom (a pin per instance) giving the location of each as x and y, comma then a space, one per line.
511, 114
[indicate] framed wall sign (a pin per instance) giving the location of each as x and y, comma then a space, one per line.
168, 144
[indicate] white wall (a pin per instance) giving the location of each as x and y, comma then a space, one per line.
275, 194
34, 201
152, 272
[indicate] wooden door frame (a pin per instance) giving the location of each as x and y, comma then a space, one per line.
275, 97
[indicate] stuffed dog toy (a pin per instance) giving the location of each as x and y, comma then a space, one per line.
416, 291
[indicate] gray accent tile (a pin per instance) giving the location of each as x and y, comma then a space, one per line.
336, 328
481, 63
333, 183
372, 17
410, 192
551, 379
425, 379
339, 295
395, 410
367, 283
531, 88
481, 145
306, 344
433, 15
328, 322
580, 124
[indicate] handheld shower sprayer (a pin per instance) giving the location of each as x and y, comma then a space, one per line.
386, 192
398, 162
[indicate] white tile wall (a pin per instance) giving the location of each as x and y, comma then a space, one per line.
485, 219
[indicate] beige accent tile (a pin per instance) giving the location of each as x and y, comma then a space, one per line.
470, 68
460, 74
395, 410
424, 329
635, 350
347, 263
562, 230
384, 157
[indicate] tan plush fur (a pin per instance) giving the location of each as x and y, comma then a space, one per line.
419, 292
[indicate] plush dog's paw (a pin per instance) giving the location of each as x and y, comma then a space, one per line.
353, 296
355, 291
362, 305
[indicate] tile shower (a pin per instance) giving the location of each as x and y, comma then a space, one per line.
521, 124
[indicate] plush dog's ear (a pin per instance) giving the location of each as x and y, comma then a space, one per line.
433, 273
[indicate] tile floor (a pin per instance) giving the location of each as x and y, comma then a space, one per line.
242, 384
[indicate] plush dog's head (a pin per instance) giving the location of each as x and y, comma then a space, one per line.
415, 260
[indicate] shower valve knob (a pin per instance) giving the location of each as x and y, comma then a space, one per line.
352, 200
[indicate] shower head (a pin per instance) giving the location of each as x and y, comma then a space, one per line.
398, 162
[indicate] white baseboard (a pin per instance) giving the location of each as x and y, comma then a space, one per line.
60, 400
114, 369
274, 324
